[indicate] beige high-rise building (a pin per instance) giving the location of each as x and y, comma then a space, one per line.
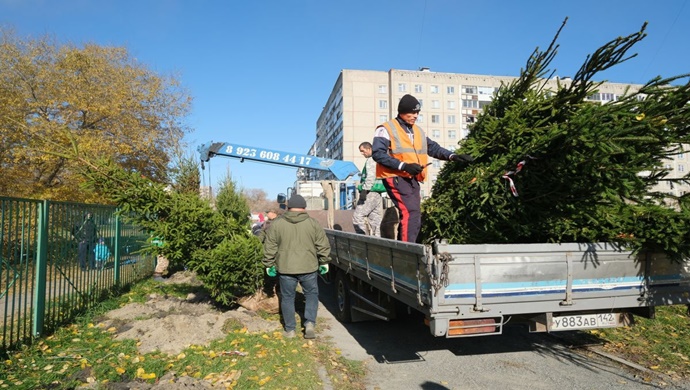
363, 99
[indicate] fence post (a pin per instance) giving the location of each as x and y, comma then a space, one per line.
41, 269
116, 269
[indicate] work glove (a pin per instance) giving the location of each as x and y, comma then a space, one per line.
271, 271
413, 169
461, 157
323, 268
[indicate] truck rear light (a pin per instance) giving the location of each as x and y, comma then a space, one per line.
466, 327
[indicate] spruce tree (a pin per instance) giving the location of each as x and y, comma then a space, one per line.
580, 171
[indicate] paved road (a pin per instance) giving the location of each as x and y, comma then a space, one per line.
402, 354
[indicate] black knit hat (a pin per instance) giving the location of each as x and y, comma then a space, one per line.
297, 202
408, 104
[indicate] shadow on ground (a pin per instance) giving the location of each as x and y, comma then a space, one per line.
407, 338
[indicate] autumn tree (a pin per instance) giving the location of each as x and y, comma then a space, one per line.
258, 200
94, 100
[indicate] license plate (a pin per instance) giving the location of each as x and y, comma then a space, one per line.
585, 321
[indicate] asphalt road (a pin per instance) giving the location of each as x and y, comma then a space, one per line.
402, 354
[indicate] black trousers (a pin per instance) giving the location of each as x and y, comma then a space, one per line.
86, 256
405, 194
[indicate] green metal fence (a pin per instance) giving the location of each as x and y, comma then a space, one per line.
49, 271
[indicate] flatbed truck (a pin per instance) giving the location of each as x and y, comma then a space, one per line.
474, 290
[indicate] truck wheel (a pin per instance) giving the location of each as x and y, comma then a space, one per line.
342, 292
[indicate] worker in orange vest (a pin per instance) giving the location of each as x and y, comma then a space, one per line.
401, 150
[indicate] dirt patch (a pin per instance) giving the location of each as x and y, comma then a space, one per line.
170, 324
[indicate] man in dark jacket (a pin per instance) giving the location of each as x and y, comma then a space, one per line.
295, 248
271, 215
86, 235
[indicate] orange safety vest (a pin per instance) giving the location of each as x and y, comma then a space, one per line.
402, 148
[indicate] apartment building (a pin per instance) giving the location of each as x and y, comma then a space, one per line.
363, 99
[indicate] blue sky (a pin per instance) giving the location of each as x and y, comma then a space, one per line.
230, 54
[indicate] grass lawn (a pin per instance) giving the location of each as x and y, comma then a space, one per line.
661, 344
87, 352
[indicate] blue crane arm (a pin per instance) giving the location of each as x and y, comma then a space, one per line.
340, 169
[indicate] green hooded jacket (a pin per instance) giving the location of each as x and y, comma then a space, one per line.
296, 244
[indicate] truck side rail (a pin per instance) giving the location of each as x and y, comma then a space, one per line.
467, 290
397, 268
535, 278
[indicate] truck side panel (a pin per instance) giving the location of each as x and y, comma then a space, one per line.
479, 287
396, 268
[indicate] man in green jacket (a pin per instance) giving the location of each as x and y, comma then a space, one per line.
295, 249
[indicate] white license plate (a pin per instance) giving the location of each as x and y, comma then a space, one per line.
585, 321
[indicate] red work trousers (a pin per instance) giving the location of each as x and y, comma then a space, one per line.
405, 194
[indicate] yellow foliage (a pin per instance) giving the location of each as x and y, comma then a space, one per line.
142, 374
60, 102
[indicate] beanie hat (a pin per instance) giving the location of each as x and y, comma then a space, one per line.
408, 104
297, 202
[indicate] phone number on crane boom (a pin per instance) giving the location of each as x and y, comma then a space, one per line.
241, 151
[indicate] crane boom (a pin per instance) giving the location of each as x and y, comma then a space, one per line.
340, 169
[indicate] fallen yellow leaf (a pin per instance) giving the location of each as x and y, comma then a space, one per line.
264, 380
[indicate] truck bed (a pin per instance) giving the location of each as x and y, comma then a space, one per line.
474, 289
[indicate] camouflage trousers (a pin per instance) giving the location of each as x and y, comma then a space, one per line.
161, 266
367, 216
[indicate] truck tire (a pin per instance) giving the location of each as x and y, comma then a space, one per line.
342, 296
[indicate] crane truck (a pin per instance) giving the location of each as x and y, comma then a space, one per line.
474, 290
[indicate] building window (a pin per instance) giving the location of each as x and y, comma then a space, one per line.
681, 156
383, 118
483, 104
402, 87
608, 97
485, 90
452, 134
436, 163
470, 89
418, 88
451, 119
383, 88
436, 133
421, 103
420, 118
451, 104
434, 89
470, 103
681, 168
435, 119
383, 103
435, 104
450, 90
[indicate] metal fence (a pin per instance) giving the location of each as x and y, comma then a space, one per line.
52, 267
